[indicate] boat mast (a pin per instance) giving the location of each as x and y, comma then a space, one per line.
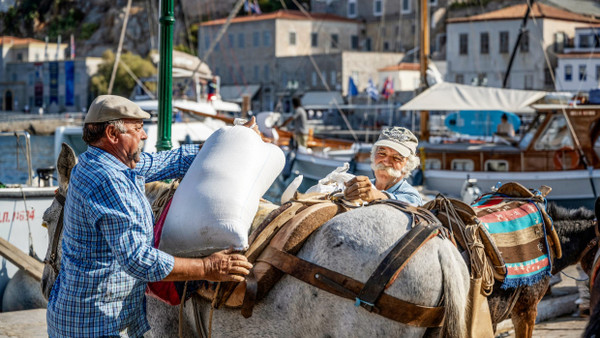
423, 61
522, 31
165, 75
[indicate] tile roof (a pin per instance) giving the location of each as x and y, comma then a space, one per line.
18, 41
579, 55
281, 14
539, 10
401, 66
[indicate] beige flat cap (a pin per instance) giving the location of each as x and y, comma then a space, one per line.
400, 139
112, 107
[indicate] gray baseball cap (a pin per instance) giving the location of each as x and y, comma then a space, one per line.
113, 107
400, 139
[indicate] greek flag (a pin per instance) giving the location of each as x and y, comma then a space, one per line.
372, 91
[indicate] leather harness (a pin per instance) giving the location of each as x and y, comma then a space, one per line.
369, 295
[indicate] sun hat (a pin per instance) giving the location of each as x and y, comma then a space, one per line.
113, 107
400, 139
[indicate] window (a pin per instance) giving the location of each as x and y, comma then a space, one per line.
585, 40
314, 79
352, 13
495, 165
484, 43
528, 81
463, 44
524, 44
459, 78
368, 44
482, 79
555, 136
256, 73
568, 73
241, 41
19, 56
386, 46
559, 42
503, 42
405, 6
354, 42
582, 73
334, 41
266, 38
333, 78
462, 165
266, 73
292, 38
433, 164
314, 39
597, 72
284, 79
230, 40
377, 7
255, 39
548, 78
433, 2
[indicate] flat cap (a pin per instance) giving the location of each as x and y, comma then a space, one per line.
112, 107
400, 139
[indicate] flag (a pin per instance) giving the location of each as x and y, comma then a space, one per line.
388, 88
246, 6
372, 91
352, 90
256, 7
72, 47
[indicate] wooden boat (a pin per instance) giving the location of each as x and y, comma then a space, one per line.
559, 148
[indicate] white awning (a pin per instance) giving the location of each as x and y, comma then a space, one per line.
321, 98
447, 96
235, 93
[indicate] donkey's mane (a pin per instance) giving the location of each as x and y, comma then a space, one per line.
558, 213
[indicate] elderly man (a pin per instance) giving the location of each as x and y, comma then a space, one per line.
393, 157
107, 241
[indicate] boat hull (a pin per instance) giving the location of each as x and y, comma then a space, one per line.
21, 209
570, 188
314, 167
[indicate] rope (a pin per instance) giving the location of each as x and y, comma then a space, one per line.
480, 268
31, 249
212, 309
577, 279
181, 306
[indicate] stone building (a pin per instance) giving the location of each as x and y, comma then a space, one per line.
578, 68
35, 74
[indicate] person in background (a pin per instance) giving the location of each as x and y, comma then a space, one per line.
393, 157
300, 122
505, 128
108, 255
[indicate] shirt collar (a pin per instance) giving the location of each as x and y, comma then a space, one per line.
107, 158
396, 186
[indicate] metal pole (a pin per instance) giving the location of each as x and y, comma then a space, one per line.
424, 62
514, 51
165, 74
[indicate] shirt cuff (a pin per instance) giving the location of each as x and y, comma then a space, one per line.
164, 265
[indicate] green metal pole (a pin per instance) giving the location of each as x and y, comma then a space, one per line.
165, 75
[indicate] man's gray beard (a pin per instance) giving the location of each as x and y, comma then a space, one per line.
389, 170
136, 155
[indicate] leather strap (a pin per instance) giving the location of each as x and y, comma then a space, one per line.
344, 286
57, 234
394, 262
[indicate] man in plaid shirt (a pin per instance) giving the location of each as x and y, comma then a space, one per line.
108, 230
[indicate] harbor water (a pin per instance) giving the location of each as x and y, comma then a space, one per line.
13, 160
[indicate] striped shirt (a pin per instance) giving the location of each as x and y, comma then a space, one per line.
107, 253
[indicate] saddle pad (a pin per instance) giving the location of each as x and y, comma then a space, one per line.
518, 229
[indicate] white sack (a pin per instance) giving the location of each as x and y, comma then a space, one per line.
217, 199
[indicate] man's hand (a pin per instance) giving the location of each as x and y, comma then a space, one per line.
223, 266
360, 187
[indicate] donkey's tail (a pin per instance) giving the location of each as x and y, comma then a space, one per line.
456, 289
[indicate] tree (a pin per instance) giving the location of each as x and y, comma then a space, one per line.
124, 83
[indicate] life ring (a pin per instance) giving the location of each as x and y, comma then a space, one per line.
566, 158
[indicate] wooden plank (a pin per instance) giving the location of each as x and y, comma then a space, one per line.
21, 259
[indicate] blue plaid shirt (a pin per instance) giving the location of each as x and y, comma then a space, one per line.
107, 248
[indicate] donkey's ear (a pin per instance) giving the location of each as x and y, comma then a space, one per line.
65, 163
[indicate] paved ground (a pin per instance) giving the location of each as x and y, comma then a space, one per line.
566, 326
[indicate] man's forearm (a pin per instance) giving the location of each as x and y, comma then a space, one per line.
187, 269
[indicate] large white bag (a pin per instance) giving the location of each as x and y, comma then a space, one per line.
217, 199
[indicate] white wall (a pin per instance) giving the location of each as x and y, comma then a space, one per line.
576, 85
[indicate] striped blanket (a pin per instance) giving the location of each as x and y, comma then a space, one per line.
518, 229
